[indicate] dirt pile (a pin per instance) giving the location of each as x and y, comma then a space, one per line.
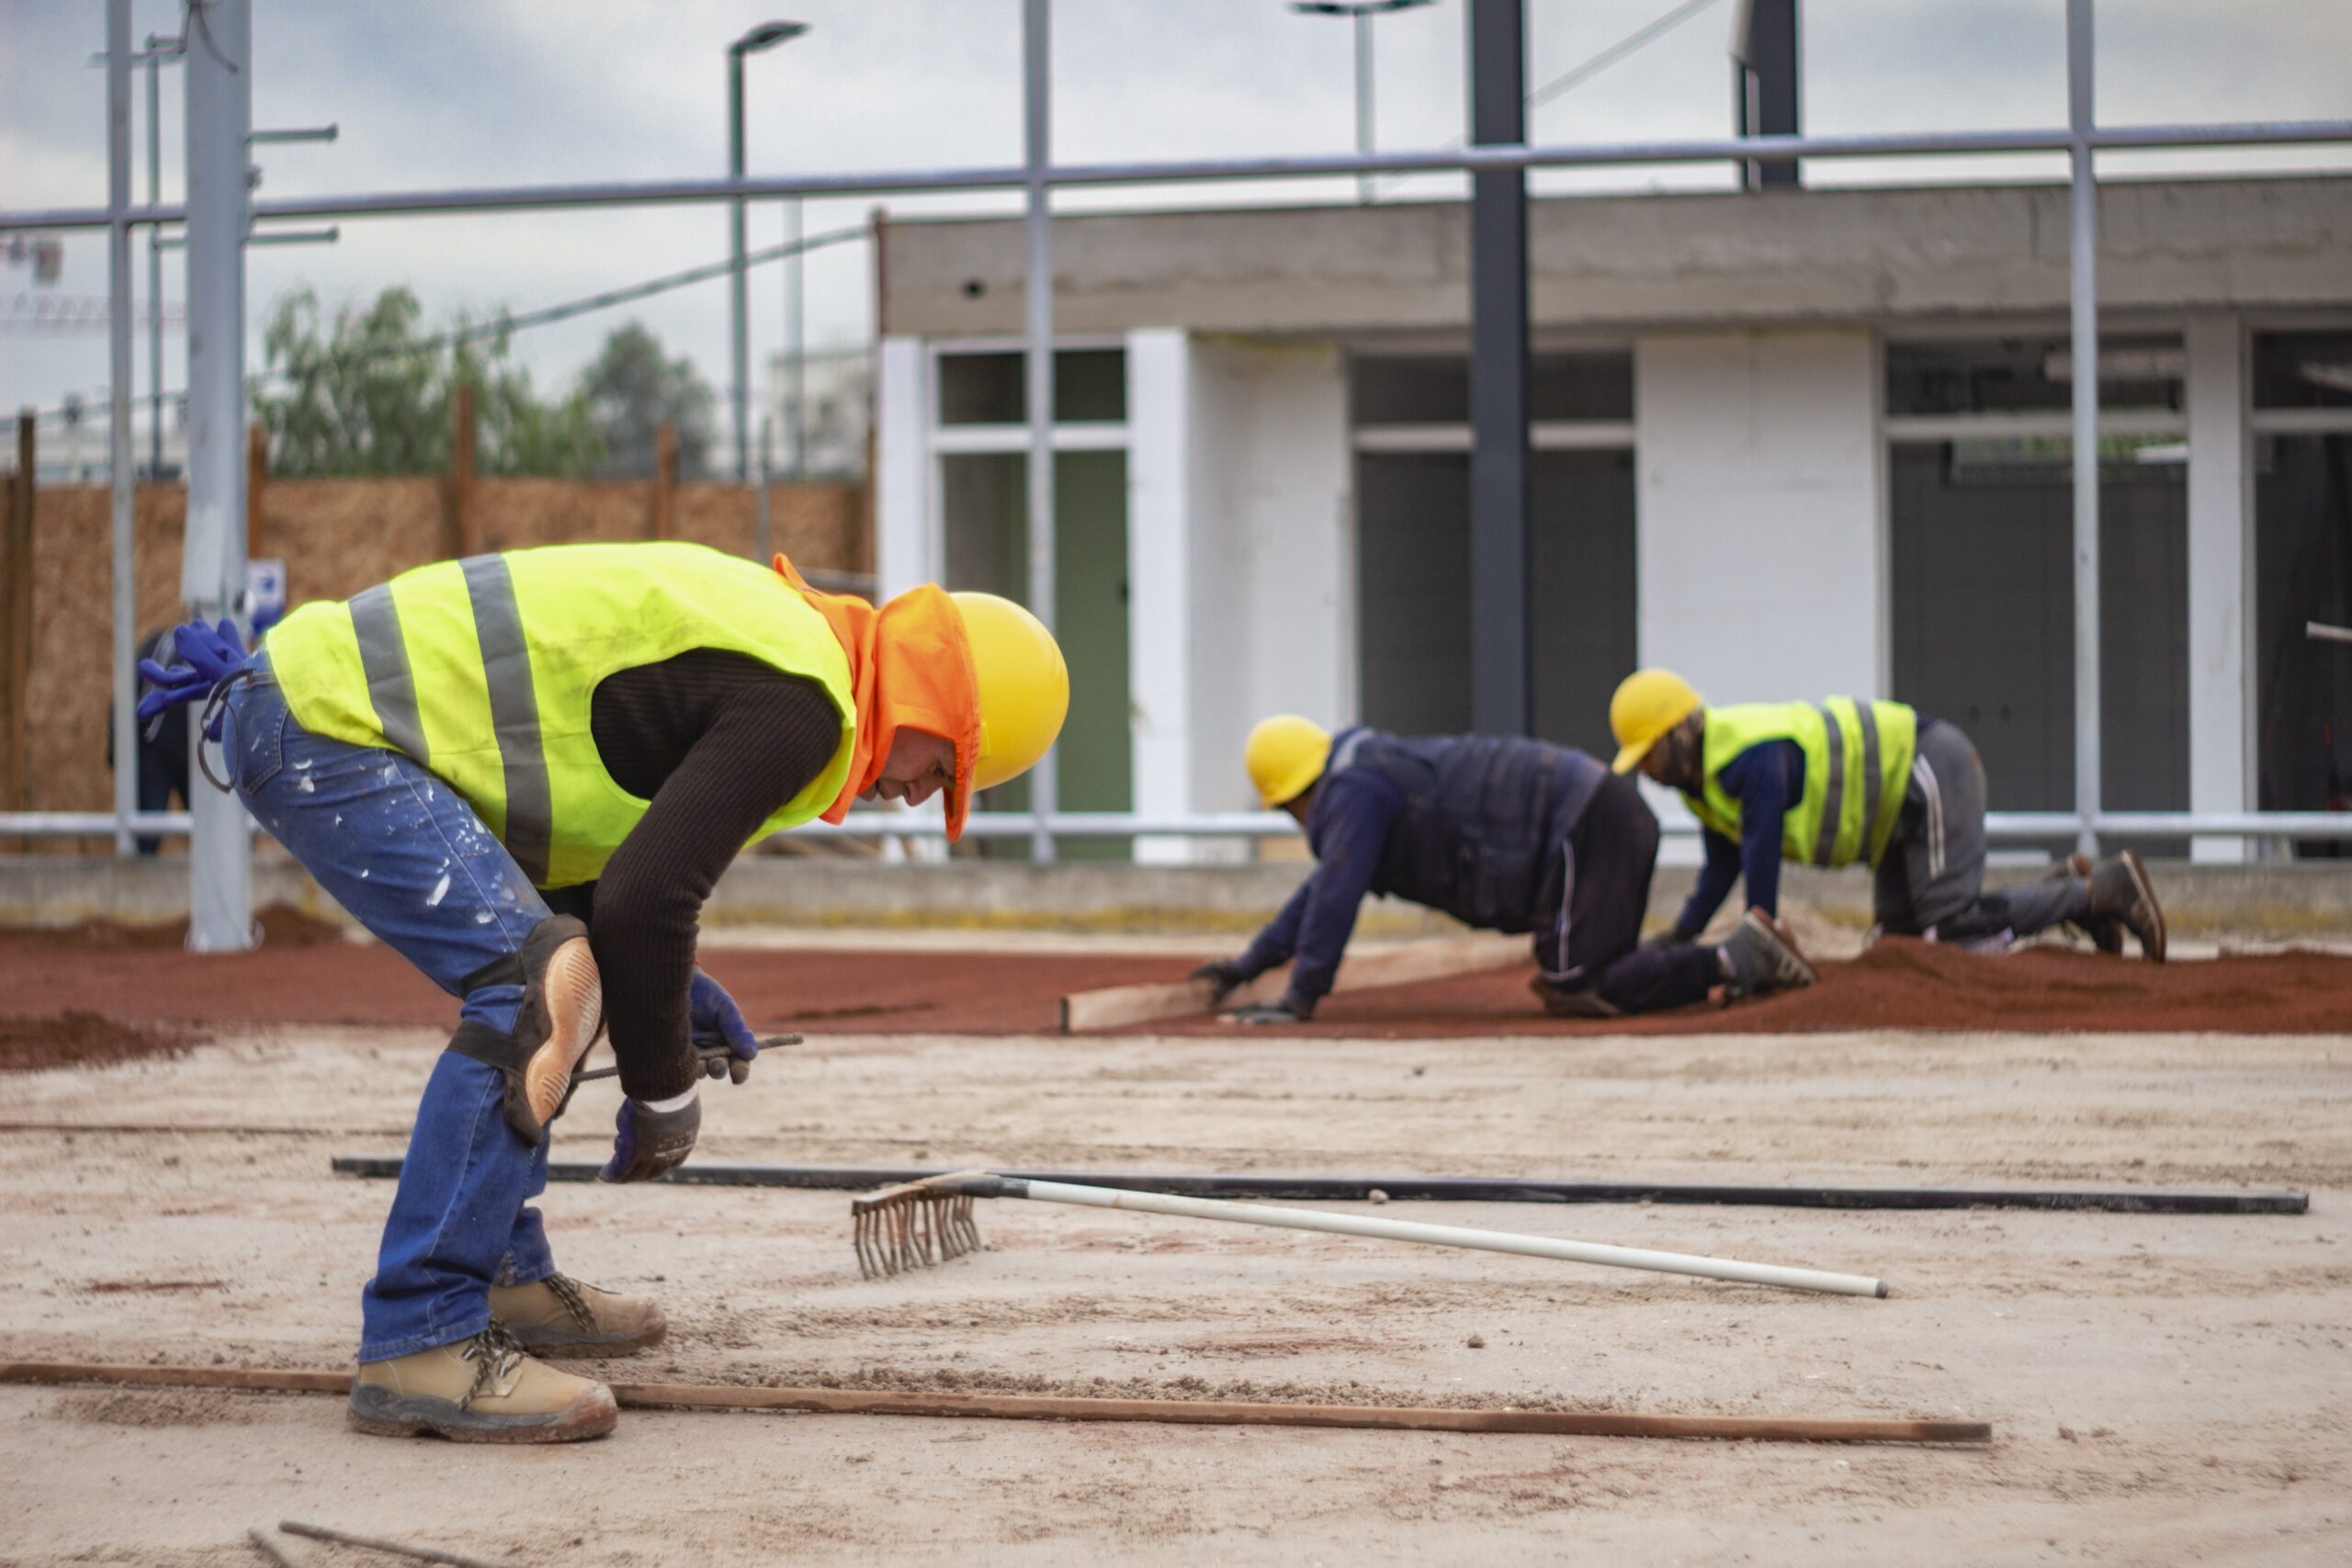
80, 1039
1898, 983
282, 925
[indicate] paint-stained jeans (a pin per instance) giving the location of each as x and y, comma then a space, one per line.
395, 846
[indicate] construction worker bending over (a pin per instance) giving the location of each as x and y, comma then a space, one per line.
525, 773
1503, 834
1843, 781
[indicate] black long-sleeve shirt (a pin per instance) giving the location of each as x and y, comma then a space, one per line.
718, 741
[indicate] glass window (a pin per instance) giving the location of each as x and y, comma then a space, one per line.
2032, 374
1434, 388
2302, 370
1089, 388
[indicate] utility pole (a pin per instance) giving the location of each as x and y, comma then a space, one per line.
212, 574
767, 35
1502, 555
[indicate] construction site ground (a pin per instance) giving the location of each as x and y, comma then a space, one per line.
2163, 1390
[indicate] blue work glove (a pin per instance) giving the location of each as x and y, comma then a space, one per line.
1268, 1012
1224, 976
203, 657
713, 1020
649, 1142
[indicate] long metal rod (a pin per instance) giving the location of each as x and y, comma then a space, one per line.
738, 284
123, 475
1363, 22
1036, 96
2000, 827
1459, 1189
155, 262
391, 1548
2082, 303
1500, 545
1055, 1407
654, 193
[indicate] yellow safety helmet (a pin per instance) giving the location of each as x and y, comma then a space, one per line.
1285, 755
1648, 703
1023, 686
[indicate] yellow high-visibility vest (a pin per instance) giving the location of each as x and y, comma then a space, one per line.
484, 669
1857, 765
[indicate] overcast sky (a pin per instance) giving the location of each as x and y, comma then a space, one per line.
450, 93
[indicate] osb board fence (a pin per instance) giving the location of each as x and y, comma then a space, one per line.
337, 537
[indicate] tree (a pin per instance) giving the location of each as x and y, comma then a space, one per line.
632, 388
371, 393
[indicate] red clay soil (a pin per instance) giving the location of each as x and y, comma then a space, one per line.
1896, 985
80, 1039
282, 925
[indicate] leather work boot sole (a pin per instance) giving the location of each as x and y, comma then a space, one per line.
560, 1316
573, 995
482, 1390
2121, 890
1763, 957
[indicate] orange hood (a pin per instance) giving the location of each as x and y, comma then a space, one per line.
910, 667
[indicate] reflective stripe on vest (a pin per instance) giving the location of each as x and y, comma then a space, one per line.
485, 670
1857, 756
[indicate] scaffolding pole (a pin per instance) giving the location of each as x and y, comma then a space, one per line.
1037, 74
2083, 300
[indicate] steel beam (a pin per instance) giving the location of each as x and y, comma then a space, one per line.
212, 575
1037, 97
1503, 663
2082, 303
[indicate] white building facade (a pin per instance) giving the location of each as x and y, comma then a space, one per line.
1788, 444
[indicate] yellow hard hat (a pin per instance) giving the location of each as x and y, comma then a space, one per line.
1023, 686
1285, 755
1648, 703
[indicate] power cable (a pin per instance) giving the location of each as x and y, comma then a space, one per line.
547, 315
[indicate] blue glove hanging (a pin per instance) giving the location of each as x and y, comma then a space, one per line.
203, 657
713, 1020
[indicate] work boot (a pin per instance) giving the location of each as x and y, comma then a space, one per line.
1761, 956
560, 1316
1562, 1003
2120, 892
482, 1390
563, 1009
2106, 932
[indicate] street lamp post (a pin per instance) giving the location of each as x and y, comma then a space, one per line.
1359, 12
767, 35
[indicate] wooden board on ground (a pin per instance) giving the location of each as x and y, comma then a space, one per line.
1117, 1007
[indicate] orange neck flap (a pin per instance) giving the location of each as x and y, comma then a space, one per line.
910, 667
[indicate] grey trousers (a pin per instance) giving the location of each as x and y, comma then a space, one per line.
1931, 880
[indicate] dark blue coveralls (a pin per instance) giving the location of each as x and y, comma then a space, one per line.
1503, 834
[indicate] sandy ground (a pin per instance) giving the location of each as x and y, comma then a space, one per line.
2163, 1389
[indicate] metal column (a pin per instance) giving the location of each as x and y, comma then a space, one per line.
156, 53
121, 470
2083, 296
739, 300
1502, 660
212, 575
1036, 56
1766, 82
1362, 20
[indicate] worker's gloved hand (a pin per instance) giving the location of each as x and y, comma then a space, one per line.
202, 657
1223, 976
713, 1019
650, 1140
1284, 1011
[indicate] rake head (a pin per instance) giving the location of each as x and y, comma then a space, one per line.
918, 1223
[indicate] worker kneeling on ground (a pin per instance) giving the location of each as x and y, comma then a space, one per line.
525, 771
1503, 834
1843, 781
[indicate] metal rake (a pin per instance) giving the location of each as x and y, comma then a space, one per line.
919, 1224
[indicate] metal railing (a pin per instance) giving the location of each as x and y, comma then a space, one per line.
1037, 178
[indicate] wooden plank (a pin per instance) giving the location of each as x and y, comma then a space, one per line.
460, 519
17, 621
1117, 1006
256, 476
663, 522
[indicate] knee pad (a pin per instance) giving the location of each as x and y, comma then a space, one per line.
561, 1015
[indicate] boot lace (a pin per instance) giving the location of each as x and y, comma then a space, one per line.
495, 1353
572, 1294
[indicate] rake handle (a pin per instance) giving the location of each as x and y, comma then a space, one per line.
1441, 1236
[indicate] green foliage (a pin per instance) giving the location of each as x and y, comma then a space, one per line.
632, 388
371, 393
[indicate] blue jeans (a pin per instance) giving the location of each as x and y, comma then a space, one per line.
395, 846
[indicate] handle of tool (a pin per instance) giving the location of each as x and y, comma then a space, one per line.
2319, 631
1450, 1235
702, 1054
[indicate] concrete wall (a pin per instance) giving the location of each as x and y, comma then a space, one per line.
1626, 262
1762, 569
